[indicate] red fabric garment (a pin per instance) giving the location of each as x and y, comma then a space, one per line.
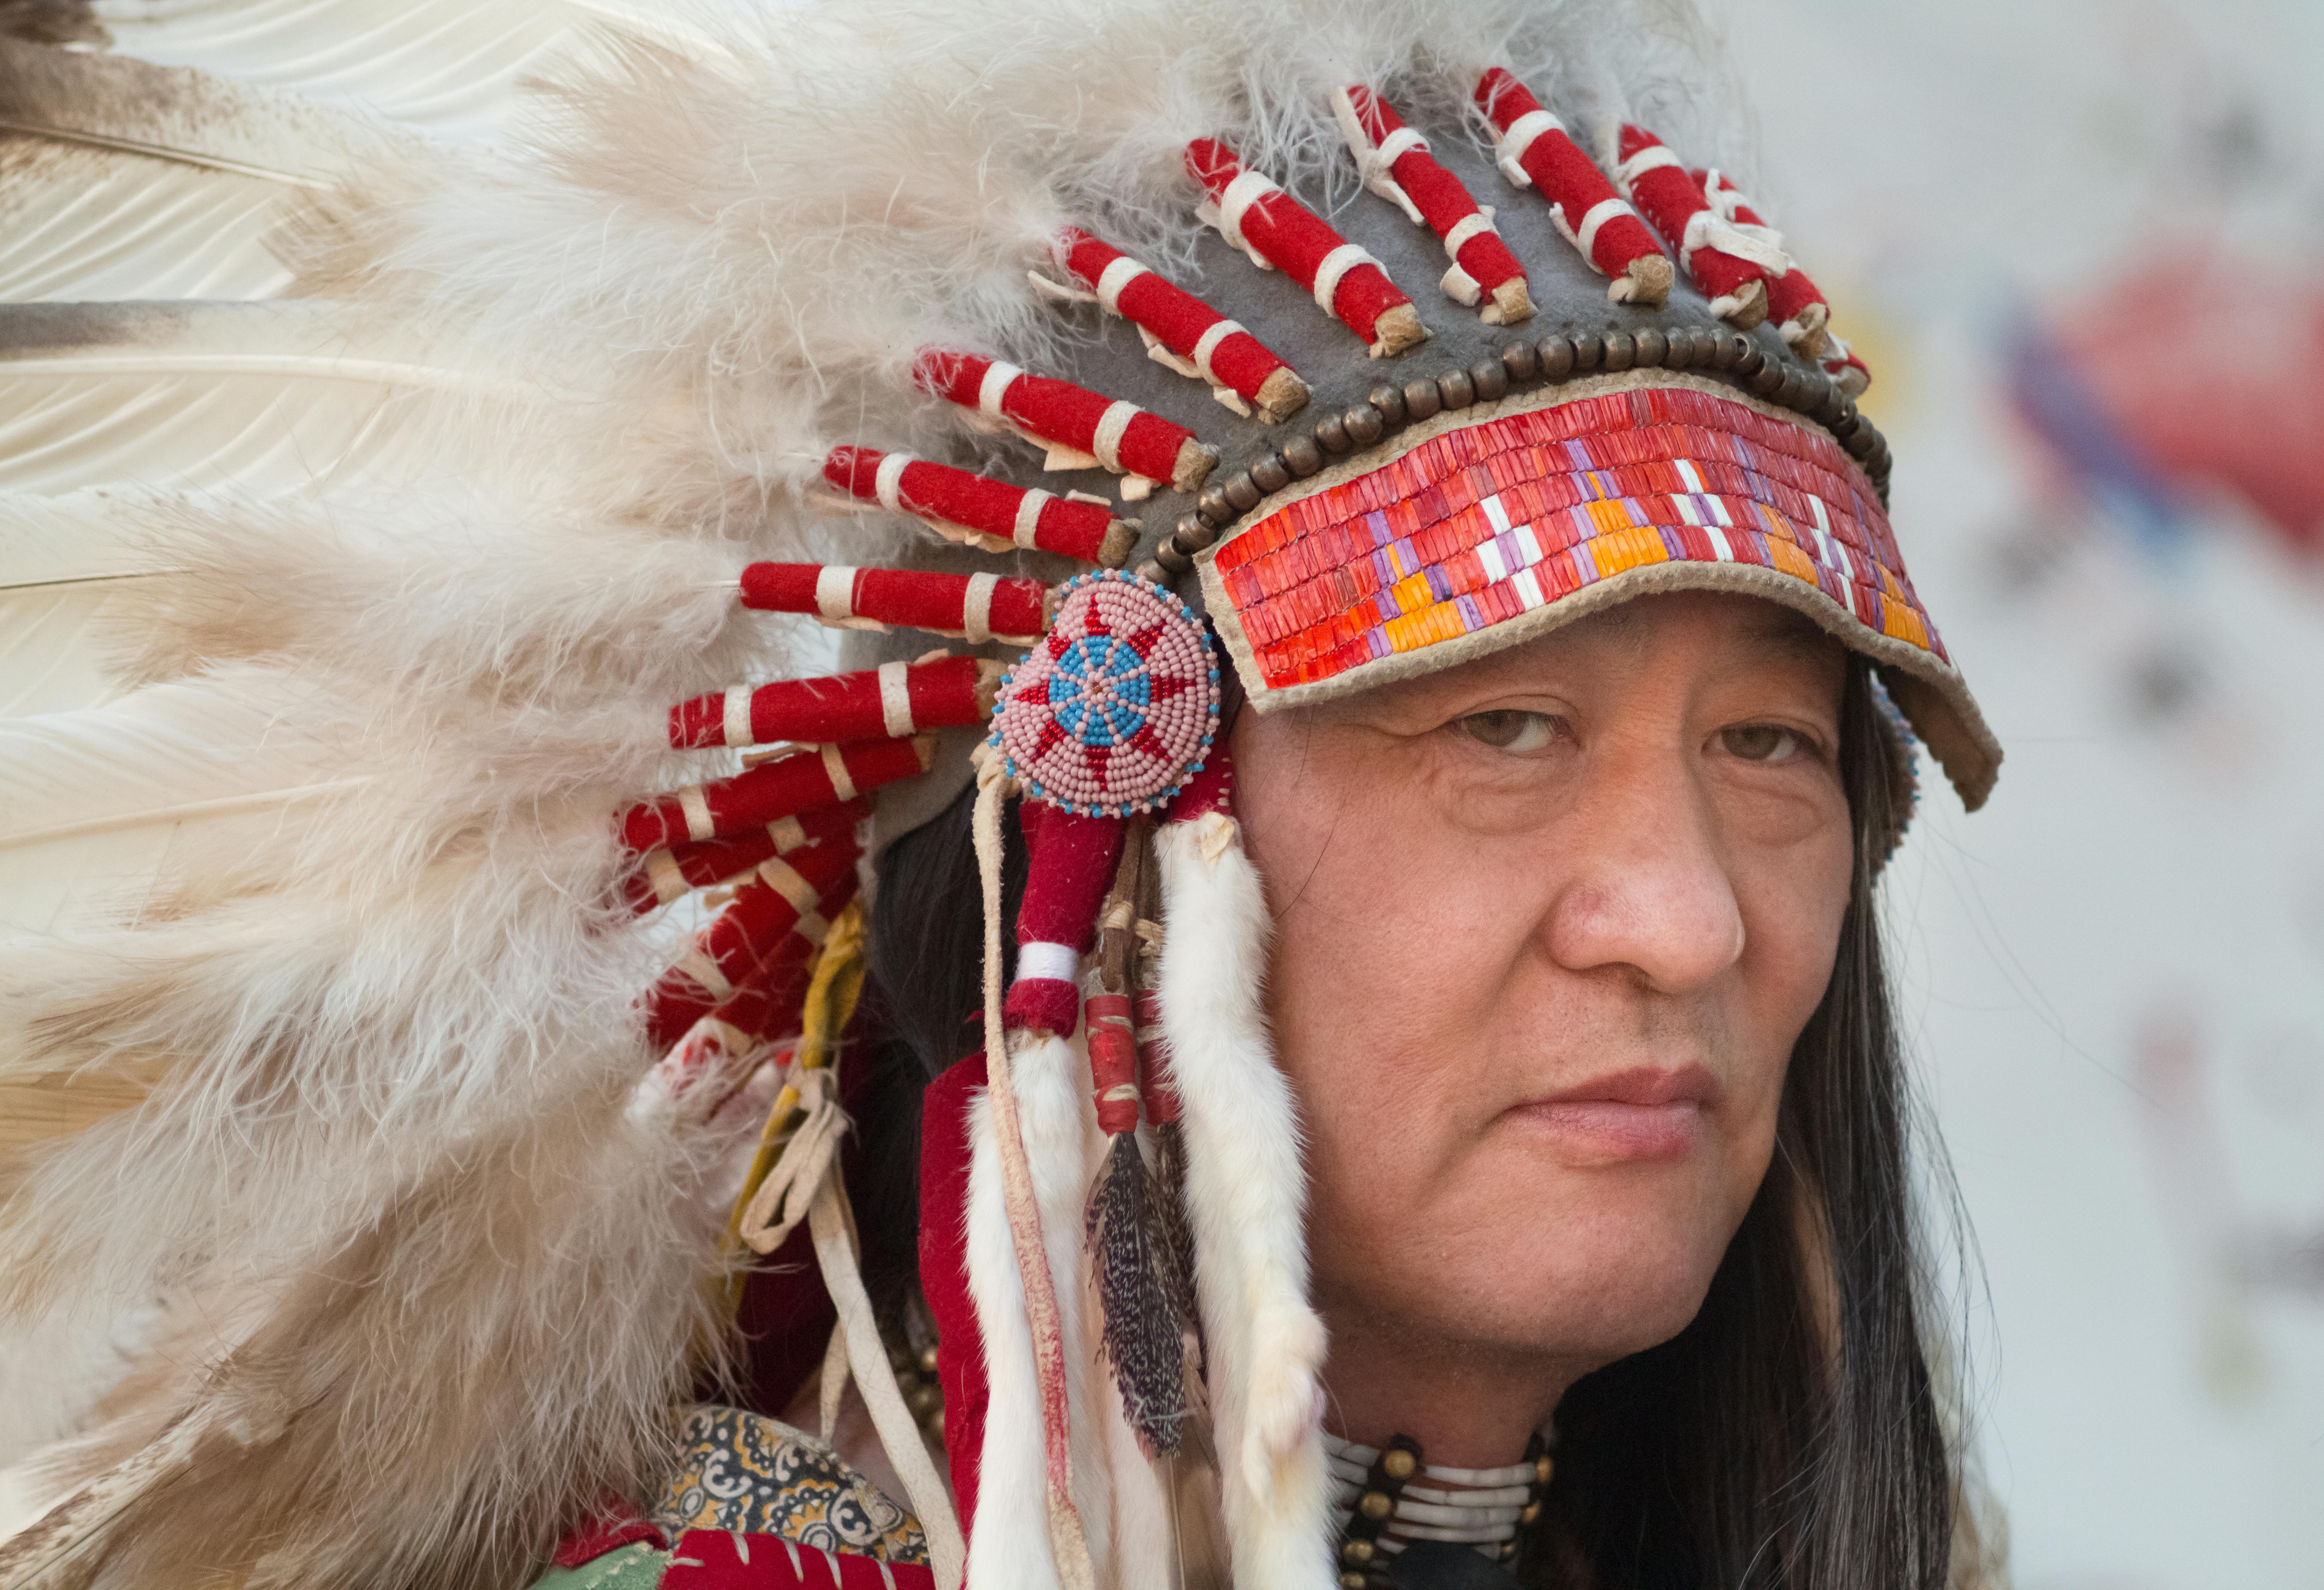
943, 1271
617, 1525
730, 1559
786, 1314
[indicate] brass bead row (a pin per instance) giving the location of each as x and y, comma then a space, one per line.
1360, 1556
915, 1378
1784, 382
1536, 1454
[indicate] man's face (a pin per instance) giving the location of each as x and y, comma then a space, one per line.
1548, 925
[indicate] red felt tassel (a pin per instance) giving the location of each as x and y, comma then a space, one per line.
1536, 148
670, 873
1071, 864
783, 786
783, 913
1658, 183
977, 509
1397, 164
1117, 434
1275, 229
895, 699
978, 607
1795, 304
1201, 340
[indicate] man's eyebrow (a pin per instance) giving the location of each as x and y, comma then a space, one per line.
1783, 633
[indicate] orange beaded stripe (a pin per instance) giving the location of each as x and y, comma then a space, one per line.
1481, 525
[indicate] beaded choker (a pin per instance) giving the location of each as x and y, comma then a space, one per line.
1390, 1497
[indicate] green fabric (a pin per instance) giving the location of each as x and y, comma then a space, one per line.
635, 1566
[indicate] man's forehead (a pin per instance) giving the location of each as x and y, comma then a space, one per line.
1733, 631
1739, 628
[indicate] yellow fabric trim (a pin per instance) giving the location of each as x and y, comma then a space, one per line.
832, 991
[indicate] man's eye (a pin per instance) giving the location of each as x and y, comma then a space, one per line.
1761, 742
1510, 730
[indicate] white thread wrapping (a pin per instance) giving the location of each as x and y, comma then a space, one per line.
975, 615
1208, 344
1057, 963
1112, 427
834, 768
696, 808
788, 833
1334, 266
1761, 245
1585, 235
661, 872
1654, 157
1393, 148
1510, 152
1375, 162
834, 592
783, 878
705, 971
737, 725
887, 481
1029, 515
895, 700
1060, 291
1117, 275
1476, 223
1247, 190
999, 375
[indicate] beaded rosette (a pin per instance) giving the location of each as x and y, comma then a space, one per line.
1117, 707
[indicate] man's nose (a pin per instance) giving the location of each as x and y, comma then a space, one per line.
1649, 887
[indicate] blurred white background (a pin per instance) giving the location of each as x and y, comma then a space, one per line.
2107, 215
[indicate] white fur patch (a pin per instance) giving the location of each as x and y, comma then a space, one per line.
1246, 1191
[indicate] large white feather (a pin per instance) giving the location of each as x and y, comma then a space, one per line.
128, 180
450, 66
262, 398
69, 567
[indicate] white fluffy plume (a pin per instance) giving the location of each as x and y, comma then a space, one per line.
328, 1255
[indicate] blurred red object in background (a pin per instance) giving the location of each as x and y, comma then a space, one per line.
2210, 368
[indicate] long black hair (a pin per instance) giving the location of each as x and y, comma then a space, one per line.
1789, 1438
1791, 1435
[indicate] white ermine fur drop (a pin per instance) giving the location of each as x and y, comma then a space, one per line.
1246, 1196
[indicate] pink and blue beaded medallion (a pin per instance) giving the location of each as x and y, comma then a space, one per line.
1116, 707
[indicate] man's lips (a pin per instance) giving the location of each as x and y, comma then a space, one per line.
1645, 1113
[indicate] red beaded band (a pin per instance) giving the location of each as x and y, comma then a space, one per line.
1481, 525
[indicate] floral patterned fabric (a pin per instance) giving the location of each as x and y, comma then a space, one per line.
746, 1473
